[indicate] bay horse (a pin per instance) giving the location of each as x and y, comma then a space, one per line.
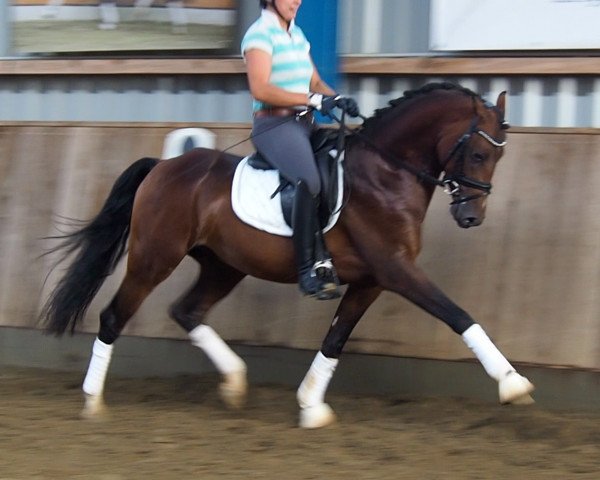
439, 135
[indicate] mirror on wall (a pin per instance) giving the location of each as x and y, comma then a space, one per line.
46, 27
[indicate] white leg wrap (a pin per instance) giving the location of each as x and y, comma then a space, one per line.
224, 358
512, 387
495, 364
96, 374
312, 389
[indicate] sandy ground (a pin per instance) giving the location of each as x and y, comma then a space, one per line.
167, 428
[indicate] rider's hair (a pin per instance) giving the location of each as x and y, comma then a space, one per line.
263, 3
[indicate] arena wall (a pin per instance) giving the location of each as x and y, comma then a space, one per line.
529, 274
69, 126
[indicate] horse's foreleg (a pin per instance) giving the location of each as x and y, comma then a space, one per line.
216, 280
314, 412
512, 387
410, 282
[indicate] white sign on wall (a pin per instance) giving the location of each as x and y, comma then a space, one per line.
463, 25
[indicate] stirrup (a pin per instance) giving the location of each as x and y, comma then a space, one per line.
322, 267
320, 281
325, 272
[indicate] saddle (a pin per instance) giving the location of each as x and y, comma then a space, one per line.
323, 141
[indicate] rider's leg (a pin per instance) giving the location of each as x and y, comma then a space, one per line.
285, 142
305, 226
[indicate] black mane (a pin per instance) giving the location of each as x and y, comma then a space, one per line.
409, 94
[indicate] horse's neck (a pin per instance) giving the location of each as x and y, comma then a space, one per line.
394, 189
409, 138
405, 144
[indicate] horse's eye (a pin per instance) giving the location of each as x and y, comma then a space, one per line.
479, 157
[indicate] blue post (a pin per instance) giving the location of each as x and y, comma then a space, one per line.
318, 20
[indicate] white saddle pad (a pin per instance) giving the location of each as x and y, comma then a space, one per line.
251, 199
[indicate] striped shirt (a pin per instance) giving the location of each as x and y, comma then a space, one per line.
291, 67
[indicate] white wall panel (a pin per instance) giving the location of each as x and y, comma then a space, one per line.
468, 25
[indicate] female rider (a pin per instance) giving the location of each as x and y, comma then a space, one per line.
284, 82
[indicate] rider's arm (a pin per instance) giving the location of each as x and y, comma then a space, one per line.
258, 65
317, 85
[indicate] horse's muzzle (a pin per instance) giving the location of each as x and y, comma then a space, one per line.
466, 216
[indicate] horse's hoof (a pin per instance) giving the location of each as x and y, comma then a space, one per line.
515, 389
94, 408
523, 400
317, 416
233, 389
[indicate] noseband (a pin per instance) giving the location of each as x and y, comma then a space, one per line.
454, 181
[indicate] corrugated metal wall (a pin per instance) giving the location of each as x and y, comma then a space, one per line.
134, 98
533, 101
374, 27
549, 101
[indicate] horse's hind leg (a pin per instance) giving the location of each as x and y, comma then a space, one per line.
143, 274
215, 282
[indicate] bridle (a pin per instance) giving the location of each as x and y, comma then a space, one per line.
452, 182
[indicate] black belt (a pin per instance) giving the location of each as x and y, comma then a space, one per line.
282, 112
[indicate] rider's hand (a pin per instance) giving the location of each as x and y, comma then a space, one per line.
322, 103
325, 104
349, 106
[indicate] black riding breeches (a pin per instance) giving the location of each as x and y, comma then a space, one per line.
285, 143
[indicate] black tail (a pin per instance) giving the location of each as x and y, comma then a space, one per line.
99, 244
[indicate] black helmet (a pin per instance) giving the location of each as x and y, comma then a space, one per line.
264, 3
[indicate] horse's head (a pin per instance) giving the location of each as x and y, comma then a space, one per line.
470, 156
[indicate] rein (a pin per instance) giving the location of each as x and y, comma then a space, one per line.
451, 183
420, 174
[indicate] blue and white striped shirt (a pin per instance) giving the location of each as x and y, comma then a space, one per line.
292, 68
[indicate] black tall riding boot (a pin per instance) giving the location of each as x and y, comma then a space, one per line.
305, 226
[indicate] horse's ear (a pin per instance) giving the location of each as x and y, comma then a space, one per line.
501, 103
